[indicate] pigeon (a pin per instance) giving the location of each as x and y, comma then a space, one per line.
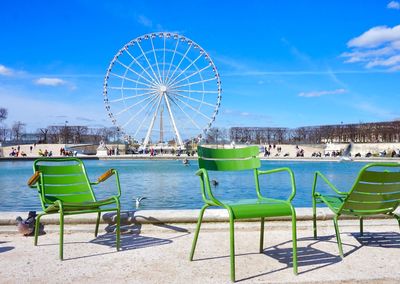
24, 228
27, 227
138, 200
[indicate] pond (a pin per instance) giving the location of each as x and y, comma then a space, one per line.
168, 184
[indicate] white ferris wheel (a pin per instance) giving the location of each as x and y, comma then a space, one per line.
161, 87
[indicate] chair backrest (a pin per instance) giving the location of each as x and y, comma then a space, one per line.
63, 179
376, 190
228, 159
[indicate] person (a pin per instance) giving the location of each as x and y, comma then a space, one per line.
30, 148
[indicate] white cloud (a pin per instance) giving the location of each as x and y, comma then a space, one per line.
376, 36
50, 81
5, 71
144, 21
393, 5
377, 47
322, 93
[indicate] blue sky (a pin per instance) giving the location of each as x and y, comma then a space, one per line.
282, 63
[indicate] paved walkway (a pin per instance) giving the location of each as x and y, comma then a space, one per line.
159, 254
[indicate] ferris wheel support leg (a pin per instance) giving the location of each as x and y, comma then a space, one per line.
178, 136
146, 140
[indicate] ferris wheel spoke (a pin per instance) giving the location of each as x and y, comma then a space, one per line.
133, 71
140, 65
137, 89
185, 113
172, 60
193, 99
126, 78
184, 70
178, 136
145, 117
155, 58
174, 86
135, 104
179, 64
132, 97
141, 109
192, 108
163, 69
153, 119
148, 62
196, 91
129, 79
191, 75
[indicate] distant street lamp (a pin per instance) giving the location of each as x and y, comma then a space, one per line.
66, 132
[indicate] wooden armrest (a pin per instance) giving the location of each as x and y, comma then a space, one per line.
34, 178
106, 175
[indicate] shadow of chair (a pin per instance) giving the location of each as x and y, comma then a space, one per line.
6, 248
378, 239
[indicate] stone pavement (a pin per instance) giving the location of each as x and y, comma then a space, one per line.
159, 253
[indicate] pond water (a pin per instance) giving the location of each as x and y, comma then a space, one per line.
168, 184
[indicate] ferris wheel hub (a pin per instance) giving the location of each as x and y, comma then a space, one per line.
163, 89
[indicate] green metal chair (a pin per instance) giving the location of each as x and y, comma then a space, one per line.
259, 207
375, 191
64, 188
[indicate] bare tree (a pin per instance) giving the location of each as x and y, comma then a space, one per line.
17, 130
3, 114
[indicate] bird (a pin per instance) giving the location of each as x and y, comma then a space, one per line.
347, 153
24, 228
214, 182
138, 200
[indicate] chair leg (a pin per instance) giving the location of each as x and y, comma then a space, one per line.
118, 229
232, 245
61, 235
196, 234
37, 228
361, 226
339, 241
314, 206
294, 242
397, 218
262, 235
96, 231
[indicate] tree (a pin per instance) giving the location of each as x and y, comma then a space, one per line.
17, 130
3, 114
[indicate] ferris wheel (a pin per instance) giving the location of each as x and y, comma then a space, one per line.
161, 87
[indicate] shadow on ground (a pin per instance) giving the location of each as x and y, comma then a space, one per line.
131, 237
6, 248
378, 239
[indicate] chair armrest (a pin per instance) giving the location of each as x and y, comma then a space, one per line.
278, 170
319, 174
206, 191
33, 179
106, 175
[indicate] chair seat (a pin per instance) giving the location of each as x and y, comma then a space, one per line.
333, 201
255, 208
71, 207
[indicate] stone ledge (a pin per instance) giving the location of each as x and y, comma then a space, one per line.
169, 216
